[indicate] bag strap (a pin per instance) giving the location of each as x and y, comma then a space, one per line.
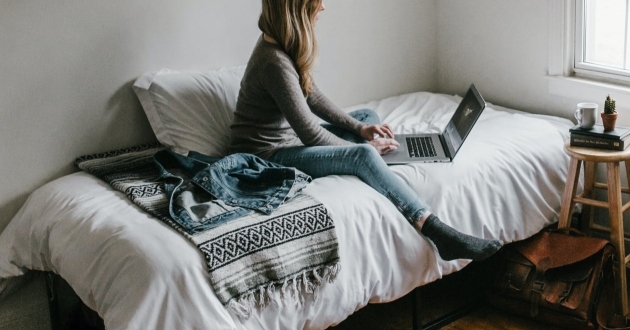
539, 284
606, 317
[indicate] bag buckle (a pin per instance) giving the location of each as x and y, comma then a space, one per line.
566, 291
538, 286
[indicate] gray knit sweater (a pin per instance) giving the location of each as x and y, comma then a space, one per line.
272, 113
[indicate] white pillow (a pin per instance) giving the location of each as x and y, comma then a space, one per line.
191, 110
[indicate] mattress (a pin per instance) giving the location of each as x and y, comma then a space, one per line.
138, 273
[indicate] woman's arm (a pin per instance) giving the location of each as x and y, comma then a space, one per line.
284, 87
282, 83
328, 111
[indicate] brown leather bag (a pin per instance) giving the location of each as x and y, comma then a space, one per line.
554, 277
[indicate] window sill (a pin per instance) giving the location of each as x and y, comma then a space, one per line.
585, 90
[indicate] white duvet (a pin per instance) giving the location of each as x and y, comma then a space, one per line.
137, 273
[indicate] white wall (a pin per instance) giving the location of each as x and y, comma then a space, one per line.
67, 67
373, 49
503, 47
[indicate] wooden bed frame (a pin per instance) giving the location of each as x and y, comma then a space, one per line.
430, 306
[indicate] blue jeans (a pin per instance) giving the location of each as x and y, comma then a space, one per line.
361, 160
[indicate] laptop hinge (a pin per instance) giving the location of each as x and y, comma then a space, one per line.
447, 151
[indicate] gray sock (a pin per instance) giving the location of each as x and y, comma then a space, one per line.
451, 244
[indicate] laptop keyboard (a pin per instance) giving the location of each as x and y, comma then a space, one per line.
420, 147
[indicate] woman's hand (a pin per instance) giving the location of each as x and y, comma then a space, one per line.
369, 132
384, 145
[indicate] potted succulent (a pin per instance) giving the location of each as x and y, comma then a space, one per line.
609, 115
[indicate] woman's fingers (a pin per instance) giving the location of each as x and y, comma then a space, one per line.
384, 131
387, 149
384, 146
388, 131
392, 142
386, 142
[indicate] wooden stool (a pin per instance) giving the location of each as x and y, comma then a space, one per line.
612, 158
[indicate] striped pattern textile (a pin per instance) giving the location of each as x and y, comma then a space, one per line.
294, 250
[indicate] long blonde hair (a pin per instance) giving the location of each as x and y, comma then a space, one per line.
291, 24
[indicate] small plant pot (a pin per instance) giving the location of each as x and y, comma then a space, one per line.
609, 120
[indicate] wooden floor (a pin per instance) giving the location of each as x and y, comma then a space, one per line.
396, 316
487, 318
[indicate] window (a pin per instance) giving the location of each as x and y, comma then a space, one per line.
602, 39
588, 62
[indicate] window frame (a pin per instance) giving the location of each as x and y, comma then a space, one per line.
581, 68
561, 76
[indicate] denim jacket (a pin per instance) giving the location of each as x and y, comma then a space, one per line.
205, 192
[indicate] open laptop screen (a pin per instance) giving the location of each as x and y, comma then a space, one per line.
463, 120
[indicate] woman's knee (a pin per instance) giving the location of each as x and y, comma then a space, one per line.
366, 153
367, 116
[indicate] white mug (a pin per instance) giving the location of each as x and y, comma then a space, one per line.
586, 114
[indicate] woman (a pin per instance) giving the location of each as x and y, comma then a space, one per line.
277, 114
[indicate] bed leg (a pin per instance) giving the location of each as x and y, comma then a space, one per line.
415, 318
452, 297
442, 321
53, 302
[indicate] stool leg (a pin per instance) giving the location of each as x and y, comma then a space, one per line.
616, 233
566, 208
588, 212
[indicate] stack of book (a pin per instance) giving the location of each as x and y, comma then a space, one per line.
596, 137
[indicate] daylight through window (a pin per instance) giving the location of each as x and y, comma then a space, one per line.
601, 44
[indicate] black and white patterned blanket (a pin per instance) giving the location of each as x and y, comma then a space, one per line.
294, 250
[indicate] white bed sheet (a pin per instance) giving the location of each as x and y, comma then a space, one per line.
137, 273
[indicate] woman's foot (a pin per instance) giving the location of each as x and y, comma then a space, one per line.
451, 244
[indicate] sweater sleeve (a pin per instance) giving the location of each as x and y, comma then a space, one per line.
282, 83
328, 111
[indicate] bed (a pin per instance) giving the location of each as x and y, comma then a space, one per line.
138, 273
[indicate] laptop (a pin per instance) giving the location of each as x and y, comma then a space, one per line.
440, 148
